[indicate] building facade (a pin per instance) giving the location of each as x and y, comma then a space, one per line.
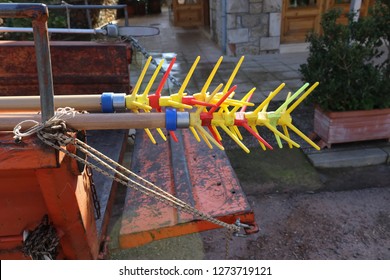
266, 26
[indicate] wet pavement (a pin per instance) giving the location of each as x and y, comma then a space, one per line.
265, 72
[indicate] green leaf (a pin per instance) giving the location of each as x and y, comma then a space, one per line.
341, 59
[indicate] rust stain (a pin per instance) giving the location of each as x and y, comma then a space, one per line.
78, 68
214, 186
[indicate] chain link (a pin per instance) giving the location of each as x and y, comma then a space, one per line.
42, 242
95, 198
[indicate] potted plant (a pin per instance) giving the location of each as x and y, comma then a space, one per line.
351, 62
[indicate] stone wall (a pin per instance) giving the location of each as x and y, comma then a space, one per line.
251, 26
216, 21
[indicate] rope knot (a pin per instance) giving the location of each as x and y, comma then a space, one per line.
54, 129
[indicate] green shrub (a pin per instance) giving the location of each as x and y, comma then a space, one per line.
55, 20
351, 61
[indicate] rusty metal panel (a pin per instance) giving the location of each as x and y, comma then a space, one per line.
78, 67
70, 206
35, 181
32, 185
38, 13
21, 207
30, 154
27, 195
191, 172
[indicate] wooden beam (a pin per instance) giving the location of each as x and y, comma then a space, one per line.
91, 121
90, 103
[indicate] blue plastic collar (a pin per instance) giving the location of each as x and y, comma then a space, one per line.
107, 102
170, 119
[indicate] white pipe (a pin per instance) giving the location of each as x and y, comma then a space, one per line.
355, 8
55, 30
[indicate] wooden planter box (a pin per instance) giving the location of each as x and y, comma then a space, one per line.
351, 126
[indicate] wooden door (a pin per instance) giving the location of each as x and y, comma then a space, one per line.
302, 16
188, 12
299, 17
345, 5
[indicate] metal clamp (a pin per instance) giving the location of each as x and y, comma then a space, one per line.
174, 119
119, 102
183, 120
112, 30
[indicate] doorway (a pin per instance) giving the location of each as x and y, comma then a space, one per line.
302, 16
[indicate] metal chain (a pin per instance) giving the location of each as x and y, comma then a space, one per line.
42, 242
117, 173
95, 198
146, 54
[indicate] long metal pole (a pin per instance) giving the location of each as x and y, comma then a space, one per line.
45, 76
55, 30
88, 7
39, 15
88, 15
78, 7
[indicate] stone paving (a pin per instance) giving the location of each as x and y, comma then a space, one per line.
265, 72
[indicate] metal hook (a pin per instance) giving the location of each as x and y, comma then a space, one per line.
239, 224
249, 229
